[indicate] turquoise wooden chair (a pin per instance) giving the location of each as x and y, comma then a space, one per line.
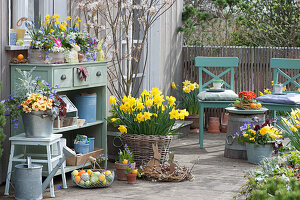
204, 63
277, 64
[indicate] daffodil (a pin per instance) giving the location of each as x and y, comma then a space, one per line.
158, 99
113, 119
156, 92
77, 25
139, 106
140, 117
145, 94
171, 99
68, 18
173, 85
112, 100
147, 115
149, 103
186, 82
174, 114
122, 129
186, 89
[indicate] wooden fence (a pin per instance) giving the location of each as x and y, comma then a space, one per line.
254, 72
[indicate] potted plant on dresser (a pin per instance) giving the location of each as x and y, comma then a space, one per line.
145, 121
259, 140
126, 160
188, 93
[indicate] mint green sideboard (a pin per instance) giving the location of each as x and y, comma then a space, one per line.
66, 76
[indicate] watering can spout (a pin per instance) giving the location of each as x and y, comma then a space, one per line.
67, 152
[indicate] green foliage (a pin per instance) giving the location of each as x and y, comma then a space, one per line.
2, 124
207, 22
277, 188
267, 23
126, 154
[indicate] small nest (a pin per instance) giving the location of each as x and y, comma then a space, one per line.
163, 173
17, 61
244, 106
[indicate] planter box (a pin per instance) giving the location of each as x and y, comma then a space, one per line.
82, 159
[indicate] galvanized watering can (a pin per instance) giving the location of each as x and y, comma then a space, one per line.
28, 184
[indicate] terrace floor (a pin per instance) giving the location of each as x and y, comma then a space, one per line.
216, 177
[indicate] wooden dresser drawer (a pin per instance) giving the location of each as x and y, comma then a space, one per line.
98, 75
63, 77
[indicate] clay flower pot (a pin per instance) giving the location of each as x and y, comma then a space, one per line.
213, 125
131, 178
120, 170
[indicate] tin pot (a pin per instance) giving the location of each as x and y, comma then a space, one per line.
37, 124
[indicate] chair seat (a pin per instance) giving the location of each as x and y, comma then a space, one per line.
289, 98
227, 95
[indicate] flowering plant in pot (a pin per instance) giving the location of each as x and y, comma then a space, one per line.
34, 101
131, 174
258, 140
146, 120
126, 159
247, 101
188, 93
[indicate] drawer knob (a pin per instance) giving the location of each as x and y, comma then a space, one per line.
63, 77
98, 73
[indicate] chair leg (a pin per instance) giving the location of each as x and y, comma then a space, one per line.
201, 126
12, 151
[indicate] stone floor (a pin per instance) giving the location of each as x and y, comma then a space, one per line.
216, 177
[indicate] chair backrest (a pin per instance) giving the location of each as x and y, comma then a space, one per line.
283, 63
229, 63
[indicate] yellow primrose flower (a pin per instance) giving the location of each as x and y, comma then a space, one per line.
122, 129
245, 134
112, 100
43, 107
77, 25
173, 85
147, 115
186, 83
36, 106
156, 92
113, 119
252, 139
284, 88
77, 18
261, 94
149, 103
26, 109
186, 89
62, 27
140, 117
267, 91
49, 106
68, 18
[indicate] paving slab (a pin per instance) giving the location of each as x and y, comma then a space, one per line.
216, 177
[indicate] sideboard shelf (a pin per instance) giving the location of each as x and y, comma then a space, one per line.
65, 75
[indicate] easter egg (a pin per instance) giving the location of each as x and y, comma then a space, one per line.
85, 176
87, 183
108, 173
102, 177
89, 171
75, 172
77, 179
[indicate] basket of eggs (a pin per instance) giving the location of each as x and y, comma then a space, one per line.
93, 178
246, 101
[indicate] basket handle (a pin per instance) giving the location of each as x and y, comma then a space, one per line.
231, 141
21, 20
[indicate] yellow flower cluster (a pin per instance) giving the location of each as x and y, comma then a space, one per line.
272, 131
268, 91
188, 86
294, 123
37, 102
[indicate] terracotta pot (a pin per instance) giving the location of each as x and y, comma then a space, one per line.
224, 123
131, 178
213, 125
81, 57
120, 170
195, 119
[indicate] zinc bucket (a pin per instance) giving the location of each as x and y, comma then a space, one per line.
28, 182
86, 105
37, 124
82, 148
232, 148
256, 153
92, 144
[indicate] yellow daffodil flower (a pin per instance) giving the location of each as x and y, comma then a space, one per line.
173, 85
122, 129
112, 100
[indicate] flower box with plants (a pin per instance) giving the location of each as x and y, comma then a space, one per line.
57, 42
145, 121
126, 159
247, 101
258, 140
131, 174
35, 101
188, 94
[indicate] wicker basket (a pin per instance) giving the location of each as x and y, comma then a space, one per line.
141, 146
98, 184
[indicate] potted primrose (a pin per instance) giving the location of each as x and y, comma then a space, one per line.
131, 174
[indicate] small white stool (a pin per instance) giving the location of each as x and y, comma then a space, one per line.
47, 142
